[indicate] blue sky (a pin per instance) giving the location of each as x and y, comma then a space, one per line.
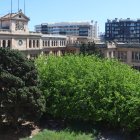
42, 11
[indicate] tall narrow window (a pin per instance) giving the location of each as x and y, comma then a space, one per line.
30, 44
4, 43
37, 43
52, 43
33, 43
48, 43
9, 44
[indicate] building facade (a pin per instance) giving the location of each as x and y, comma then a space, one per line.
86, 29
14, 34
123, 30
128, 53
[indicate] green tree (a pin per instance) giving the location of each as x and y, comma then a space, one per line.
20, 97
90, 49
90, 88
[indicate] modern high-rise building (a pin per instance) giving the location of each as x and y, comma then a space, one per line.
123, 30
87, 29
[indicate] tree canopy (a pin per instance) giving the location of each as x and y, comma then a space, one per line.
90, 48
20, 97
90, 88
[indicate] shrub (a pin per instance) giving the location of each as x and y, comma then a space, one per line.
89, 88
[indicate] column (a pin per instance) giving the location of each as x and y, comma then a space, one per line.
129, 57
58, 43
27, 43
31, 43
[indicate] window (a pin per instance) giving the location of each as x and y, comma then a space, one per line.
30, 44
48, 43
46, 52
9, 43
55, 53
52, 43
33, 43
135, 56
4, 43
32, 56
122, 55
110, 54
37, 43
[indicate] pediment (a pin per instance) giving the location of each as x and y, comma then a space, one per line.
20, 16
17, 16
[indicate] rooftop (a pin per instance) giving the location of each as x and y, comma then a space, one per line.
123, 20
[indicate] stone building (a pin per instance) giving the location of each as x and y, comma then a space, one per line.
14, 34
128, 53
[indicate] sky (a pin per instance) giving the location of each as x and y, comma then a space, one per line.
50, 11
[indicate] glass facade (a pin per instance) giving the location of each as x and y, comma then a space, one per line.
69, 28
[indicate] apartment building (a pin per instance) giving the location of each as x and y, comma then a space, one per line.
123, 30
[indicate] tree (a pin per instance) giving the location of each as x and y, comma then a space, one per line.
90, 88
20, 97
90, 49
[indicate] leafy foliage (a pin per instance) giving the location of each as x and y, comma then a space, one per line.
90, 49
90, 88
62, 135
19, 94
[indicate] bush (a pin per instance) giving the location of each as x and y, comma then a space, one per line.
89, 88
20, 97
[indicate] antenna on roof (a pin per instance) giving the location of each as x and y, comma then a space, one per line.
11, 6
11, 13
24, 6
18, 5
